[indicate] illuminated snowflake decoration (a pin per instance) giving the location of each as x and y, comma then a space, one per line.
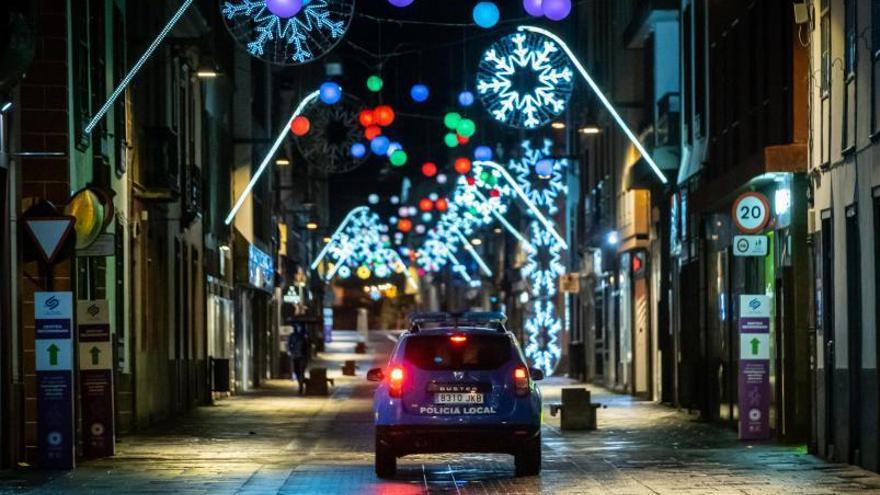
306, 36
334, 129
525, 80
543, 265
543, 191
361, 244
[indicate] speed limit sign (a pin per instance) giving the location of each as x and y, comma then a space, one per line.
751, 212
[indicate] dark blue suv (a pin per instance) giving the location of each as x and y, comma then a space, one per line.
457, 383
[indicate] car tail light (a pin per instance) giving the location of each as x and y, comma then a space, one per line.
396, 378
458, 339
521, 381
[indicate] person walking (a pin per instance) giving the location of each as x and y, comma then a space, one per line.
298, 351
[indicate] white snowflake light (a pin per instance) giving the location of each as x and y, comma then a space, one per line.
542, 191
525, 80
308, 35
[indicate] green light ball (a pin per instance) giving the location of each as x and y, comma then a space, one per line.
398, 158
466, 127
375, 83
451, 120
451, 140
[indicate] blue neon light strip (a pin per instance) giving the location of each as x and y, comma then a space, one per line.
137, 66
626, 130
274, 149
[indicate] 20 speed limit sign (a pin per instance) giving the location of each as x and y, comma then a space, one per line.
751, 212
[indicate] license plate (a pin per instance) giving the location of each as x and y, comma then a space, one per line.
458, 398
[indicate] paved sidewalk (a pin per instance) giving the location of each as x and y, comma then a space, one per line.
274, 441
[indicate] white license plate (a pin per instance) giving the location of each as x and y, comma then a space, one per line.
458, 398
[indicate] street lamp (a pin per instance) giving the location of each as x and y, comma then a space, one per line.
626, 130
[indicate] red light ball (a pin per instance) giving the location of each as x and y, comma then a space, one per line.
495, 193
300, 126
367, 118
426, 204
372, 132
404, 225
441, 204
462, 140
462, 165
384, 115
429, 169
471, 181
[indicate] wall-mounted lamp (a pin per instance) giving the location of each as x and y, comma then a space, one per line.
590, 130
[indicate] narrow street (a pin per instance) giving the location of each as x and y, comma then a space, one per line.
273, 441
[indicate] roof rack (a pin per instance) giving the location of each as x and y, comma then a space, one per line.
492, 319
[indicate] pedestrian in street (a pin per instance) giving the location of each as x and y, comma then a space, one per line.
298, 351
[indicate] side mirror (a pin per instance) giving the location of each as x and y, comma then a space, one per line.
375, 375
536, 374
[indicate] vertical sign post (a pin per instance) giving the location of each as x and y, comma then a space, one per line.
754, 367
96, 378
53, 314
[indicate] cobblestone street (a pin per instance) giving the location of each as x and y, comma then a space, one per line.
273, 441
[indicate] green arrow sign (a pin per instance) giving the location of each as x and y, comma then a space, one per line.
96, 355
755, 343
53, 354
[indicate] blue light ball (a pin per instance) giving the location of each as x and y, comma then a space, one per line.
466, 98
486, 14
358, 150
392, 147
419, 93
380, 145
483, 153
544, 168
330, 93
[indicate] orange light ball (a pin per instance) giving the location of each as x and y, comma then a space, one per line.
426, 204
404, 225
367, 118
429, 169
462, 165
384, 115
300, 126
441, 204
371, 132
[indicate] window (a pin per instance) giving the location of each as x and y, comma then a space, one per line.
439, 352
875, 67
849, 95
688, 76
825, 83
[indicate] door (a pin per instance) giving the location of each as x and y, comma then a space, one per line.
854, 332
825, 298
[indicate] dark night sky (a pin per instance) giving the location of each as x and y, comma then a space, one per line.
405, 46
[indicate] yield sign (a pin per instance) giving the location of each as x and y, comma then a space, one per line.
49, 233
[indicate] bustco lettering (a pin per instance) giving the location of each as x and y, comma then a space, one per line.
456, 410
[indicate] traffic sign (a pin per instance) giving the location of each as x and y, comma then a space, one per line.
751, 212
750, 245
49, 233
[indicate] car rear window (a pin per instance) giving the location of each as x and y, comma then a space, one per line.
439, 352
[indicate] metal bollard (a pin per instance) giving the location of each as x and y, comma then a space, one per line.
348, 369
317, 382
578, 412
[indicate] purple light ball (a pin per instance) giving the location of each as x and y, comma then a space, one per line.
556, 10
401, 3
284, 8
533, 8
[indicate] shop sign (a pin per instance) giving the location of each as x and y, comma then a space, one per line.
96, 378
754, 367
570, 283
751, 212
261, 269
750, 245
53, 345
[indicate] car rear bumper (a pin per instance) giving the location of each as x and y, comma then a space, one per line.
422, 439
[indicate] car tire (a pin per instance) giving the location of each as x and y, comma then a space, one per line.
528, 460
385, 460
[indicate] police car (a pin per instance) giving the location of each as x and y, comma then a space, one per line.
457, 383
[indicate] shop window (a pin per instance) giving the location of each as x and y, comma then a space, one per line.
847, 142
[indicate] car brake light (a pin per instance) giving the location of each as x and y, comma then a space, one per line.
458, 339
395, 382
521, 381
